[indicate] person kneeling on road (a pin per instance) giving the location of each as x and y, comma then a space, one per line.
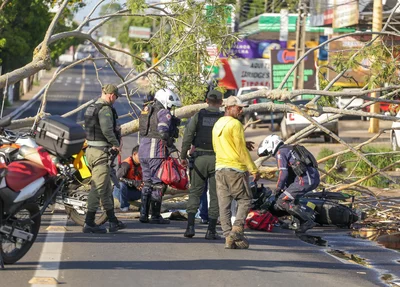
298, 174
130, 180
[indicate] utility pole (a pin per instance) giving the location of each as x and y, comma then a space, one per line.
237, 16
298, 81
376, 27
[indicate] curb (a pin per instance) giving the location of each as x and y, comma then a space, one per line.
28, 104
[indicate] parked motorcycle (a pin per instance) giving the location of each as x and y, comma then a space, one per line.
75, 193
23, 184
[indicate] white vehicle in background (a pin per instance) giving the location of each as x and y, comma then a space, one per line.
346, 100
293, 123
262, 116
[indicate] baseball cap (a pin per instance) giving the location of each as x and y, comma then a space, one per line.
234, 101
110, 89
215, 95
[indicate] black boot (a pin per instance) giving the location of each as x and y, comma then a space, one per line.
211, 231
305, 215
189, 233
114, 223
144, 209
90, 226
156, 217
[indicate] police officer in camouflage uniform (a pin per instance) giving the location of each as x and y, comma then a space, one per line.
102, 134
157, 128
199, 134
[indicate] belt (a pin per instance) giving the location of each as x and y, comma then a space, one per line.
200, 153
102, 148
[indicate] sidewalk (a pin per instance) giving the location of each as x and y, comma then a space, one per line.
47, 76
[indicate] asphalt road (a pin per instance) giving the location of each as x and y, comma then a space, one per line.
151, 255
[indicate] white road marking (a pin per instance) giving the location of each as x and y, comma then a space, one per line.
50, 257
80, 98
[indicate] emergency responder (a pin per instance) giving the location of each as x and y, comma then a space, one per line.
103, 135
158, 129
199, 133
233, 165
130, 180
298, 174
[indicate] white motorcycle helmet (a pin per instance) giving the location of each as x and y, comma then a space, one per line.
269, 145
167, 98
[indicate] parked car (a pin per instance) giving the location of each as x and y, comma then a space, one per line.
344, 100
395, 135
263, 116
293, 123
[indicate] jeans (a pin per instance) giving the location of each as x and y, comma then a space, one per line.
204, 204
126, 193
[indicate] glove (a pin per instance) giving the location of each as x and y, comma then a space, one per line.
277, 192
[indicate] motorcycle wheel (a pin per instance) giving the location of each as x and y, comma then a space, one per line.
80, 191
13, 249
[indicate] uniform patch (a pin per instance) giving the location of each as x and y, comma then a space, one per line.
145, 111
168, 116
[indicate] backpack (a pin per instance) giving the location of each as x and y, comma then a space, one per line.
303, 159
261, 221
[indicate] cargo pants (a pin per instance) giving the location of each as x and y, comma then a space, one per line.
101, 187
232, 185
205, 165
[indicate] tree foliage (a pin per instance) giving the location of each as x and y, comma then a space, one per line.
23, 24
184, 39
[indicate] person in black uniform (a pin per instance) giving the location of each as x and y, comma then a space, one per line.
199, 134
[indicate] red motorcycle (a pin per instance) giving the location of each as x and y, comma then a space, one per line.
29, 186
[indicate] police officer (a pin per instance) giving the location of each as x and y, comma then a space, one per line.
298, 174
102, 134
199, 134
157, 128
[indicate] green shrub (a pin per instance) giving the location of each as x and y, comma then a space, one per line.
349, 166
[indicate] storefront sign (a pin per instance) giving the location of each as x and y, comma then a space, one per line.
282, 61
237, 73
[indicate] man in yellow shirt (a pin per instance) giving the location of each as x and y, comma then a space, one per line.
233, 167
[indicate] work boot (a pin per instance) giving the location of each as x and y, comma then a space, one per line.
189, 233
90, 226
237, 234
211, 233
144, 208
114, 223
115, 226
230, 243
156, 217
305, 226
305, 215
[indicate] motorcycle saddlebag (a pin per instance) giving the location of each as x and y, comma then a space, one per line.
60, 136
332, 213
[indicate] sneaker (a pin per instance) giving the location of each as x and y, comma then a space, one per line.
204, 221
124, 209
